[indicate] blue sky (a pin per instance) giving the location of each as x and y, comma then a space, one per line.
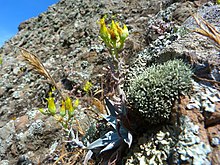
13, 12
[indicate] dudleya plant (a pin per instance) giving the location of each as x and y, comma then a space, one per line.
153, 92
114, 37
116, 138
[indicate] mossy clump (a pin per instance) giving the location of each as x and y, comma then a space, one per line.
153, 92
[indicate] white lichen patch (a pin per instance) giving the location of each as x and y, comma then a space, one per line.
204, 98
171, 145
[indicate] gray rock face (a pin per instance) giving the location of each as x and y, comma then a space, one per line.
203, 52
169, 147
6, 137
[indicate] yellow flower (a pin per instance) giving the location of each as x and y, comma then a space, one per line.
62, 109
51, 104
116, 31
124, 34
113, 35
71, 107
104, 31
76, 103
87, 87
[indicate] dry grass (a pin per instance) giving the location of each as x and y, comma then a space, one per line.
38, 66
207, 29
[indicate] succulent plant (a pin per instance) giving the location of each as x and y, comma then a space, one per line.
115, 140
154, 91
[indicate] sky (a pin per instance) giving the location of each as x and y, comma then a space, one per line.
13, 12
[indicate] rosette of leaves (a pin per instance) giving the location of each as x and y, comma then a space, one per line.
113, 143
155, 90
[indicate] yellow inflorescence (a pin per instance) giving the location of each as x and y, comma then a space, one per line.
113, 35
87, 87
51, 104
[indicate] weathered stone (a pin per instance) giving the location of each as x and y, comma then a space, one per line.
21, 123
212, 118
6, 137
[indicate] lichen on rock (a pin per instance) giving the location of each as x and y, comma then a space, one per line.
204, 98
172, 144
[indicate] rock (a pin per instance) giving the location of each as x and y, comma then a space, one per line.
2, 91
212, 118
21, 123
6, 137
4, 162
183, 11
214, 134
215, 156
169, 144
203, 55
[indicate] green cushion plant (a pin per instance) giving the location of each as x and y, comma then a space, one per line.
154, 91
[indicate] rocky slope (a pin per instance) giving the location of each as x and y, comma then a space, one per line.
65, 38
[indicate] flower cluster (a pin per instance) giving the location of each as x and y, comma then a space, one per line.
113, 35
67, 107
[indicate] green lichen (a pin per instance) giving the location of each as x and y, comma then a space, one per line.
154, 91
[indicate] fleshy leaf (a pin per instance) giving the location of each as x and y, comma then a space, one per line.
87, 157
112, 145
111, 120
110, 108
103, 141
128, 139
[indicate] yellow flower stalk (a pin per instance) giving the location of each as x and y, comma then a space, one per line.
51, 104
